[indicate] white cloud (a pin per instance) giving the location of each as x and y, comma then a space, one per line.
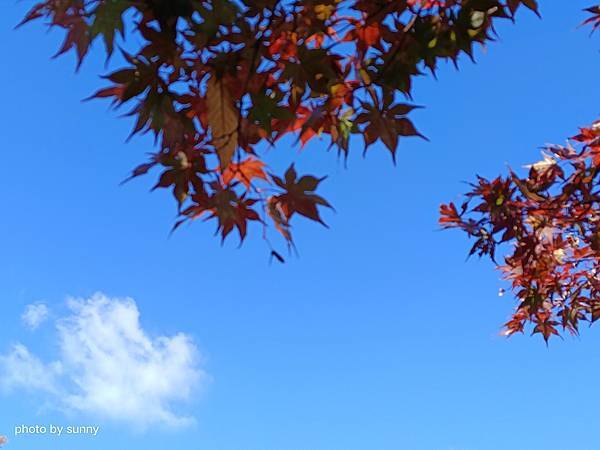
34, 315
19, 369
109, 366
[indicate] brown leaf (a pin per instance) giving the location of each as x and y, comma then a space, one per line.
223, 119
299, 196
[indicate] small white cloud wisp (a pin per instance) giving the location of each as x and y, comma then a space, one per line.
34, 315
21, 370
110, 367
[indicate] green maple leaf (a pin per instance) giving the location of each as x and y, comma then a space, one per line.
108, 19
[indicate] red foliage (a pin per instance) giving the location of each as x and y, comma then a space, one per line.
212, 80
551, 222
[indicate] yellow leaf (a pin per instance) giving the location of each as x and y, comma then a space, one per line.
324, 12
223, 120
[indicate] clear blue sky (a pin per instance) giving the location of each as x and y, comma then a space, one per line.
378, 337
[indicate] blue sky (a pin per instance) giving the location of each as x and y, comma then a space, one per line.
378, 336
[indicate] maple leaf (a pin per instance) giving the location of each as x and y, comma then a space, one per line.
387, 123
225, 205
449, 215
78, 37
184, 172
222, 118
277, 215
366, 35
245, 172
595, 19
142, 169
513, 5
526, 189
108, 20
299, 196
546, 328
